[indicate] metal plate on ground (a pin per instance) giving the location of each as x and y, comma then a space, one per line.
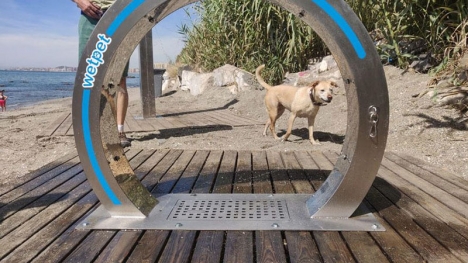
232, 212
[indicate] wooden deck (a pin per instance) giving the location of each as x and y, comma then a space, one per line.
423, 208
62, 126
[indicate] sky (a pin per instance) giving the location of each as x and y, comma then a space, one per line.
44, 33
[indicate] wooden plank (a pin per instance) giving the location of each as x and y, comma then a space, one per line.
301, 246
395, 246
54, 241
20, 235
165, 123
122, 242
160, 170
150, 246
119, 247
190, 175
297, 177
269, 244
133, 125
59, 164
446, 235
54, 125
204, 119
153, 243
456, 180
37, 200
90, 247
455, 189
260, 173
143, 123
456, 204
207, 176
227, 118
180, 243
332, 246
191, 120
224, 120
429, 248
35, 183
57, 226
209, 245
239, 245
242, 120
433, 206
279, 175
179, 246
144, 169
225, 177
176, 123
63, 128
168, 181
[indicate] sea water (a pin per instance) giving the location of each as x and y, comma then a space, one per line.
25, 88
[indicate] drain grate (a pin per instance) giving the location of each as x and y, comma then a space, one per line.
230, 210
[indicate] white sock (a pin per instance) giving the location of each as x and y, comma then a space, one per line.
120, 128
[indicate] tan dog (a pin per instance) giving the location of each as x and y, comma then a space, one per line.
302, 102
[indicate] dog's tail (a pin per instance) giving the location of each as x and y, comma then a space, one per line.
259, 77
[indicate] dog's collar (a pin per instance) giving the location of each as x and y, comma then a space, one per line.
316, 102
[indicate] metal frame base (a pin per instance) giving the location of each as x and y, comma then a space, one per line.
232, 212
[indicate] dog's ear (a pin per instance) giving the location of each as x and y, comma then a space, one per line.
312, 91
314, 84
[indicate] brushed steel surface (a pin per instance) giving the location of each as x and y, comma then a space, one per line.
108, 170
292, 206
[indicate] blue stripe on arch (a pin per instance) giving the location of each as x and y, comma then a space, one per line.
90, 149
118, 21
127, 11
344, 26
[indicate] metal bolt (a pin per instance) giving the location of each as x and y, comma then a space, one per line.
179, 225
275, 225
85, 224
375, 226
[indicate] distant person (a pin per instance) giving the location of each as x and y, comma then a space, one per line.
91, 12
3, 99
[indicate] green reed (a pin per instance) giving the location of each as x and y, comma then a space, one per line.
247, 33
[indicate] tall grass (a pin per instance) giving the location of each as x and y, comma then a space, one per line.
413, 26
247, 33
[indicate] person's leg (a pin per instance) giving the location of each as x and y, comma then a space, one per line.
85, 28
122, 106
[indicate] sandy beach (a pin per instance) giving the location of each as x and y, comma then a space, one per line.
417, 128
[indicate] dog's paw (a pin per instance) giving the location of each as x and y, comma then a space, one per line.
315, 142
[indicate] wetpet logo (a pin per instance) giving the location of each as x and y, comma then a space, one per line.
95, 60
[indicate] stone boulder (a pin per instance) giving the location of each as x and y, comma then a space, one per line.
235, 79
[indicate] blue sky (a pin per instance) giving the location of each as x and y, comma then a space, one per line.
44, 33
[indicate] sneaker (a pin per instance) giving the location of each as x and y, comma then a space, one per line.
124, 141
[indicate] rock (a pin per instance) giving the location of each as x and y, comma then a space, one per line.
200, 82
328, 63
229, 75
323, 66
186, 79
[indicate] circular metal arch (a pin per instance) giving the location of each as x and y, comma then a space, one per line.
128, 21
